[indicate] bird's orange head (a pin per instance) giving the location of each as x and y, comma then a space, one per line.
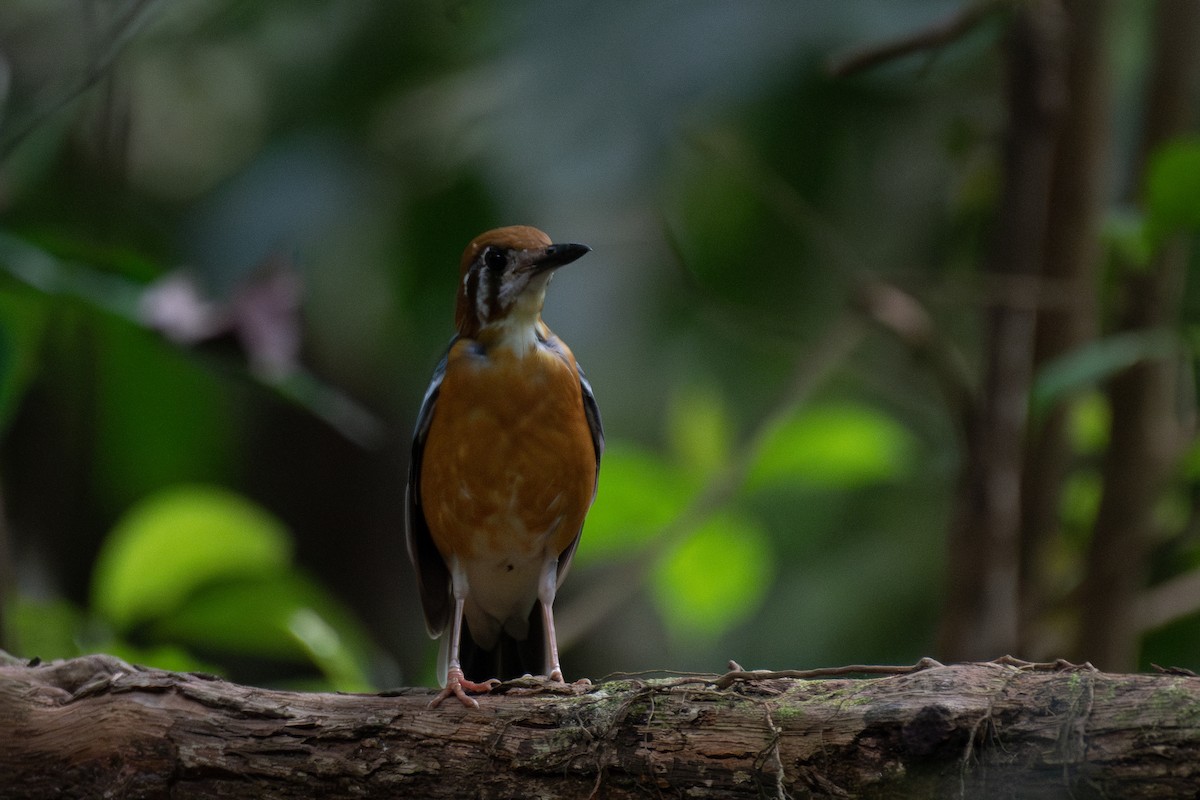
504, 276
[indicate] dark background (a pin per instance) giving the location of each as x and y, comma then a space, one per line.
895, 358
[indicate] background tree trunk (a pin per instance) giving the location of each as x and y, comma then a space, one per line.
98, 727
982, 609
1068, 313
1147, 435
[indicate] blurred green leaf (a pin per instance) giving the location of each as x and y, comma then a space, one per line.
1125, 238
285, 617
1172, 512
699, 429
1081, 499
639, 494
1097, 361
714, 579
48, 273
45, 630
326, 647
22, 320
57, 629
1191, 463
175, 541
838, 446
163, 418
1177, 642
1089, 423
1173, 189
169, 657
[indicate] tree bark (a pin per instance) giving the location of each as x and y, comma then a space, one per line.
98, 727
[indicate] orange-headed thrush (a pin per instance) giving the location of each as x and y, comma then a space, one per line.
504, 466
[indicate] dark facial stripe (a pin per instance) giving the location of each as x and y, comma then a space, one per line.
483, 292
471, 288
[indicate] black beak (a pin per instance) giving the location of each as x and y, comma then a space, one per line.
559, 255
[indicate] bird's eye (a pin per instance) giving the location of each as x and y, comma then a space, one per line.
495, 259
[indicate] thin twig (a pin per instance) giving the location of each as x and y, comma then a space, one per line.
1057, 665
902, 315
733, 676
750, 675
128, 23
939, 34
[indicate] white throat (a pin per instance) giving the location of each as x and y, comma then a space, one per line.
517, 330
516, 334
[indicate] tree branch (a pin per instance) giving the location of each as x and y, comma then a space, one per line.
98, 727
939, 34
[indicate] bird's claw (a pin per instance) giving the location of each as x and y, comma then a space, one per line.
557, 677
457, 686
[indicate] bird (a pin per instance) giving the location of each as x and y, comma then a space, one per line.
505, 465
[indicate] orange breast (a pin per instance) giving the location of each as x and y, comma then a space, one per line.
509, 468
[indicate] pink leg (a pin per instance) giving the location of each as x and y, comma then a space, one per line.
546, 591
555, 671
547, 588
457, 683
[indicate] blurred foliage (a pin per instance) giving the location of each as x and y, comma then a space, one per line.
734, 194
173, 542
23, 320
199, 570
840, 446
714, 579
1089, 366
1173, 190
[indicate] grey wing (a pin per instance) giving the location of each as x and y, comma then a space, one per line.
433, 577
592, 411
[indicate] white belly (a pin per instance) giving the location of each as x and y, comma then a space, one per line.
502, 584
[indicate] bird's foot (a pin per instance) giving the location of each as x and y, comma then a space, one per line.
457, 686
557, 677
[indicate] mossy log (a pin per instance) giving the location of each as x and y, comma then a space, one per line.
98, 727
